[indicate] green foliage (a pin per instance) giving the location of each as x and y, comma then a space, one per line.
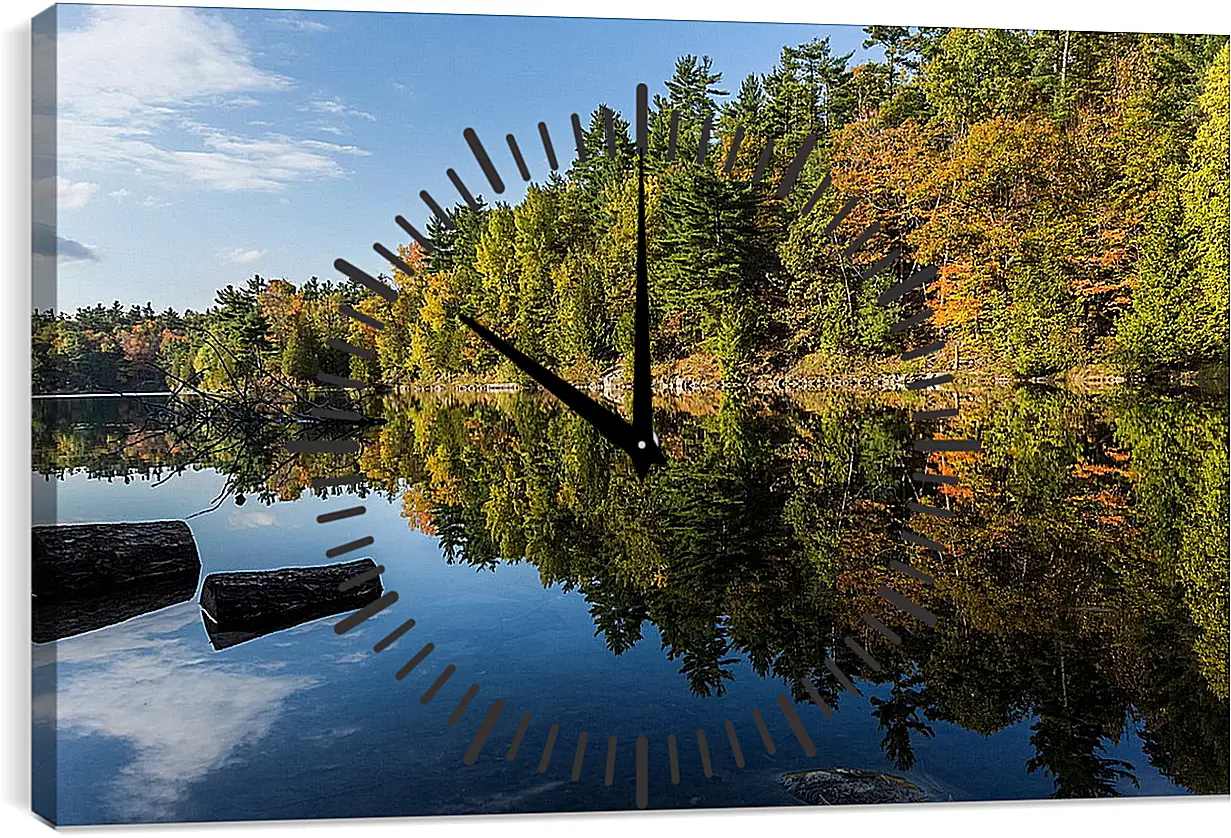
1070, 187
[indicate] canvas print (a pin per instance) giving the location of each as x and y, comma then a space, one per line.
459, 414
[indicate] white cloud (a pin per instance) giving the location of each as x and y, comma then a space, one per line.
119, 194
297, 24
183, 712
239, 255
133, 83
337, 149
67, 194
328, 128
336, 107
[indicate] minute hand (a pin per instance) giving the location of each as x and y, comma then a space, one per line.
643, 386
608, 423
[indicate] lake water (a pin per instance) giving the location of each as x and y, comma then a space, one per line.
1080, 649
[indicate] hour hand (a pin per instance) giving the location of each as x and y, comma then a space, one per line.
608, 423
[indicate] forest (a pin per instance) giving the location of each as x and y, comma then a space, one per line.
1070, 187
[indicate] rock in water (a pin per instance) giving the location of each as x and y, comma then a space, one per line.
88, 576
839, 786
240, 606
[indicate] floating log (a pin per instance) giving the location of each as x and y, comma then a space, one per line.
88, 576
237, 607
841, 786
84, 559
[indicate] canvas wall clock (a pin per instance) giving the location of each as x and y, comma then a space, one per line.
648, 415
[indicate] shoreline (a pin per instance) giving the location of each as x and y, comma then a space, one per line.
1081, 380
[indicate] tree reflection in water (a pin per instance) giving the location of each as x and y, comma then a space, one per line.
1085, 589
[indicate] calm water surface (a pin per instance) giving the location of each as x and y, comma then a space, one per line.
1080, 652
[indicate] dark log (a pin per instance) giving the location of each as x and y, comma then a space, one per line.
88, 576
237, 607
83, 560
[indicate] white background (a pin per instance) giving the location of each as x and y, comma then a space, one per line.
1110, 818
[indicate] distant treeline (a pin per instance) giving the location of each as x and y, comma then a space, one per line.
1071, 187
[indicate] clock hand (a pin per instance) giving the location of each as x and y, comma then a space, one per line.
618, 432
643, 384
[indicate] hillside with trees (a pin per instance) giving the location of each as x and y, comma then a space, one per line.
1070, 187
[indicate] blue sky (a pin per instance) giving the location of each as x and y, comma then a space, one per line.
198, 147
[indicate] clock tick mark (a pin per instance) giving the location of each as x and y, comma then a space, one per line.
857, 647
842, 213
912, 282
643, 772
797, 726
548, 148
462, 705
393, 259
517, 737
322, 446
946, 445
924, 509
609, 774
329, 414
902, 567
923, 351
366, 612
517, 158
485, 730
927, 415
764, 731
578, 757
862, 239
840, 676
349, 547
370, 322
703, 147
704, 748
424, 241
733, 151
437, 684
931, 381
796, 166
928, 477
736, 751
415, 661
485, 162
462, 190
609, 131
350, 348
392, 637
341, 381
816, 194
881, 264
767, 155
340, 514
884, 630
358, 579
548, 747
579, 138
815, 695
365, 279
903, 604
913, 320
